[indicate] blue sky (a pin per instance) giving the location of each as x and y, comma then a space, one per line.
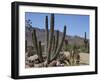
76, 24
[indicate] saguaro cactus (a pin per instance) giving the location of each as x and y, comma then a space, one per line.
85, 40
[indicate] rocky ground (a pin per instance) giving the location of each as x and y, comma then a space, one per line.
32, 61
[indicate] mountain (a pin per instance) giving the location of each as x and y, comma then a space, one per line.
41, 36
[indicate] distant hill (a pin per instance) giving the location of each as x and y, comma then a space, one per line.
41, 36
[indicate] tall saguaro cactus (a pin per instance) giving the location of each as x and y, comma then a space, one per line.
85, 40
52, 46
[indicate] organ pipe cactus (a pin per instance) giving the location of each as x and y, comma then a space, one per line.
52, 45
51, 37
40, 52
60, 46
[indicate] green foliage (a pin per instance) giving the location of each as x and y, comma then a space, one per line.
68, 47
84, 49
80, 48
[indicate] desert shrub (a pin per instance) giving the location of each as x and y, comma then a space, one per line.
80, 48
85, 50
68, 47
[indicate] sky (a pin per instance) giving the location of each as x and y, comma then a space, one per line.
77, 25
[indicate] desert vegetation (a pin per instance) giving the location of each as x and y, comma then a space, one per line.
55, 50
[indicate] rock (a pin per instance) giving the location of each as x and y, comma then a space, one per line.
38, 65
26, 62
26, 53
33, 58
31, 53
27, 66
45, 63
31, 64
44, 57
62, 64
53, 63
36, 61
58, 63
